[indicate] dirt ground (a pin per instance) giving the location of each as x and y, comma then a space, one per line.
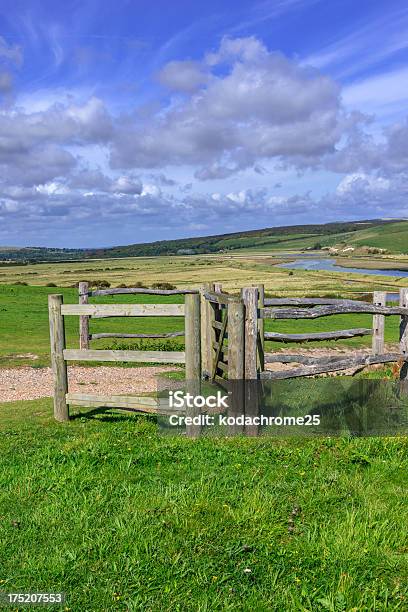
28, 383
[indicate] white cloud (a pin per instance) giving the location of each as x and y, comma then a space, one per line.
255, 105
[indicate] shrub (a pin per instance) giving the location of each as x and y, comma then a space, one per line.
102, 284
20, 283
50, 285
290, 273
121, 286
139, 285
149, 344
163, 286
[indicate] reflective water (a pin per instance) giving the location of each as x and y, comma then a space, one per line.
309, 263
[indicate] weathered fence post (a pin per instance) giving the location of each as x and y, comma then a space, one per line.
261, 329
403, 301
379, 299
59, 366
251, 405
236, 357
250, 297
236, 339
83, 289
192, 323
206, 330
193, 336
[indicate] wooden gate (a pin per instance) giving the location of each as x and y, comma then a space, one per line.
232, 337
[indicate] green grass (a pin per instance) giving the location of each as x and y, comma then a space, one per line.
24, 323
122, 519
393, 237
24, 326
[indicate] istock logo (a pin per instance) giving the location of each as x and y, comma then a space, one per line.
179, 399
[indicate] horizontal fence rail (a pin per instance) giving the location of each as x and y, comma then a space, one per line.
328, 364
222, 299
308, 301
140, 291
324, 311
60, 355
124, 310
313, 337
119, 335
117, 401
132, 403
117, 355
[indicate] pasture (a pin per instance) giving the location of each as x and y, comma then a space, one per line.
24, 331
119, 518
122, 519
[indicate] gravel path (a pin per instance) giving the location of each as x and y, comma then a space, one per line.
33, 383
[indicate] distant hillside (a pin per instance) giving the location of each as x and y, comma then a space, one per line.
391, 235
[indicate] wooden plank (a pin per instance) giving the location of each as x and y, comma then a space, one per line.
325, 365
404, 338
193, 337
206, 350
379, 299
222, 366
236, 340
313, 337
59, 367
219, 347
130, 356
216, 313
83, 289
141, 290
295, 358
124, 310
250, 298
217, 325
324, 311
224, 348
193, 357
218, 298
261, 329
118, 335
308, 301
123, 400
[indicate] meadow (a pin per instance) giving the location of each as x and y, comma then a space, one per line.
24, 331
119, 518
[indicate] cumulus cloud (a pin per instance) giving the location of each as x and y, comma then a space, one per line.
183, 76
242, 106
254, 104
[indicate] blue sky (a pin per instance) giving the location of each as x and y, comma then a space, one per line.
133, 121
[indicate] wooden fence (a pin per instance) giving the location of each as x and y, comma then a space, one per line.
60, 355
233, 335
224, 338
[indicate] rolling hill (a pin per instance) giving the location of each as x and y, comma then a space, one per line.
391, 235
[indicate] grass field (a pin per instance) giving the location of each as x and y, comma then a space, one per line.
119, 518
233, 270
24, 336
